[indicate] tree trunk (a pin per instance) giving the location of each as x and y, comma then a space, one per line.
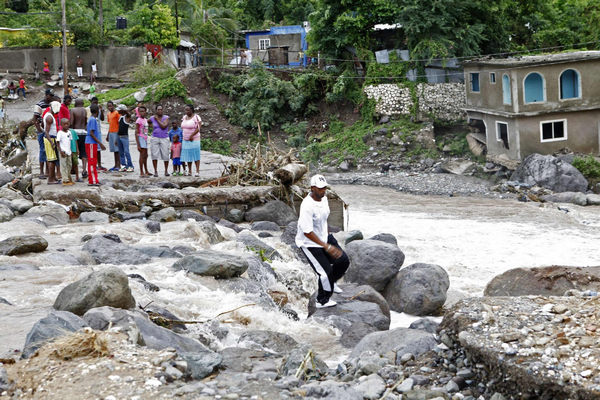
290, 173
101, 19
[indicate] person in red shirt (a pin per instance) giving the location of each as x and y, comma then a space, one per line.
64, 108
22, 87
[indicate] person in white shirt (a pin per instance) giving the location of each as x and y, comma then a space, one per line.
63, 137
321, 249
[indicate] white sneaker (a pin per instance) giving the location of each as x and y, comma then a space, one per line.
330, 303
337, 289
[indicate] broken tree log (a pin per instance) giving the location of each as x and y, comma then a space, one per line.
290, 173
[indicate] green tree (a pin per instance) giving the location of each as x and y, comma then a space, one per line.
154, 25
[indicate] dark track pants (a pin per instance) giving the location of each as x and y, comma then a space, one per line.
328, 269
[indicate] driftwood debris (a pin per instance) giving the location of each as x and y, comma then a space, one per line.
290, 173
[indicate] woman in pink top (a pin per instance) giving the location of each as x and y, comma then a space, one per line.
141, 139
190, 149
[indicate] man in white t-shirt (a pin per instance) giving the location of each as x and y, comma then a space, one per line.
321, 249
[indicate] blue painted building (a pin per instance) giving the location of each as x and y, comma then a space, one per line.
280, 45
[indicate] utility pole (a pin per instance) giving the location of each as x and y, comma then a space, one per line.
177, 30
64, 48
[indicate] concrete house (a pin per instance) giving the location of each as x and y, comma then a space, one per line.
535, 104
280, 45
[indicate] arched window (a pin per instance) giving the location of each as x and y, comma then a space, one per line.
506, 95
534, 88
569, 84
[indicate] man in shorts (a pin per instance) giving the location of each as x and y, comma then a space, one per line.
38, 109
79, 125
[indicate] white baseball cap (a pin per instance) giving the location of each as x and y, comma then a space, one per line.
318, 181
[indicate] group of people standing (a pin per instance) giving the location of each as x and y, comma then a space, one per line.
67, 135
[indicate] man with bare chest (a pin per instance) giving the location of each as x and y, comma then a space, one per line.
79, 124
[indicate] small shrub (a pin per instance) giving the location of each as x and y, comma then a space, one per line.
589, 167
216, 146
169, 87
148, 74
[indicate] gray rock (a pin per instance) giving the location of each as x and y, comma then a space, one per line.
256, 293
17, 159
141, 330
345, 237
352, 291
237, 359
497, 396
159, 252
330, 390
418, 289
16, 245
551, 173
260, 272
355, 319
108, 287
49, 215
163, 312
385, 237
4, 301
153, 226
344, 166
20, 205
275, 211
6, 213
544, 281
234, 215
593, 199
211, 231
425, 324
146, 210
292, 361
18, 267
230, 225
147, 285
275, 342
190, 214
5, 177
372, 387
165, 215
184, 249
93, 216
257, 245
201, 363
567, 197
55, 324
396, 343
289, 237
373, 262
405, 386
213, 263
126, 216
264, 234
4, 382
106, 251
264, 226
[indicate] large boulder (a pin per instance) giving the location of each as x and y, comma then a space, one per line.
5, 177
418, 289
544, 281
395, 343
107, 251
55, 324
385, 237
15, 245
354, 318
49, 214
20, 205
275, 211
159, 252
265, 226
258, 246
213, 263
141, 329
373, 262
577, 198
108, 287
551, 173
352, 291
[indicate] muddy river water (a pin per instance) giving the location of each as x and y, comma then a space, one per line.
474, 239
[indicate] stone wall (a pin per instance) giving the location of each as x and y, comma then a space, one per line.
112, 62
443, 101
